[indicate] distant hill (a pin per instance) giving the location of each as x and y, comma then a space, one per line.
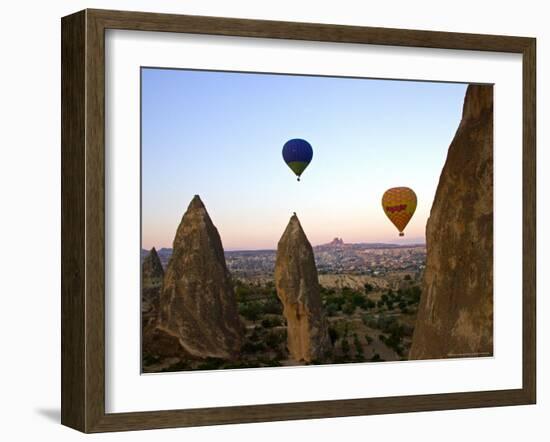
335, 257
338, 243
165, 252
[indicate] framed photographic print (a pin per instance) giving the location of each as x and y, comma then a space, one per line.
270, 220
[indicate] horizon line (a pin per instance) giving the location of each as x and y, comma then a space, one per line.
263, 249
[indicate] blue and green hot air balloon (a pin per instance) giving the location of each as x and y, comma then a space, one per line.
297, 154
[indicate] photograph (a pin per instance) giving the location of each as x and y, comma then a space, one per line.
292, 220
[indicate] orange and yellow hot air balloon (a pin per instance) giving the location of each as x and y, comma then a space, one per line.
399, 204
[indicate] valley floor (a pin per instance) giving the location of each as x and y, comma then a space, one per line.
369, 320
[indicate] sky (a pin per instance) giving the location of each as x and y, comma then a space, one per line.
220, 135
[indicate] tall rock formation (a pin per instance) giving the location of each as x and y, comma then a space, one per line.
198, 304
298, 289
151, 269
455, 316
152, 274
154, 342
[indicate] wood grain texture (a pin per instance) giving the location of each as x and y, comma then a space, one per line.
73, 350
145, 21
95, 222
83, 220
529, 221
307, 410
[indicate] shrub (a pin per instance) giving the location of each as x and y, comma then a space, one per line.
394, 342
369, 321
250, 310
358, 300
241, 291
272, 321
338, 300
332, 309
250, 347
273, 339
348, 308
357, 344
415, 293
333, 334
273, 305
345, 347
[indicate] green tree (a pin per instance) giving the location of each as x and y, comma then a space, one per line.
345, 347
250, 310
358, 300
357, 345
348, 308
333, 334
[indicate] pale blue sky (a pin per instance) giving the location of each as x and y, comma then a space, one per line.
220, 135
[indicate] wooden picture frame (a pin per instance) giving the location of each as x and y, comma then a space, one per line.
83, 220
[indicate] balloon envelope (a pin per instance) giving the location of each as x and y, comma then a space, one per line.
399, 204
297, 154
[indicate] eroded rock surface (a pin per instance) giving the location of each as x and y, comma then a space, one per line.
197, 304
298, 289
152, 275
455, 317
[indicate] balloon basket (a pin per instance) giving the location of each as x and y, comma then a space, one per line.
401, 234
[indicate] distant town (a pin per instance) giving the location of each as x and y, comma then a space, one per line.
333, 258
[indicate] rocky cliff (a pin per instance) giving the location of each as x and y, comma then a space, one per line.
455, 316
198, 304
298, 289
